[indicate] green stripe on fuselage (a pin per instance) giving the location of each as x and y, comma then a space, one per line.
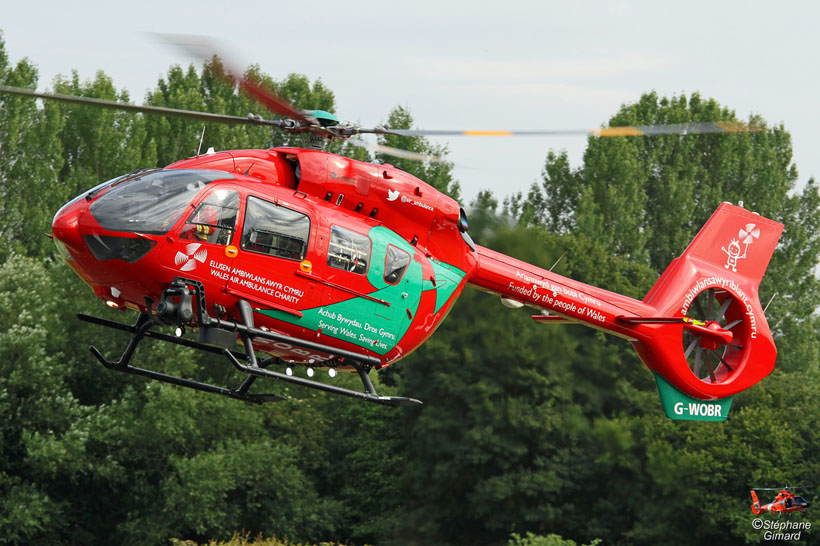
370, 324
448, 277
364, 322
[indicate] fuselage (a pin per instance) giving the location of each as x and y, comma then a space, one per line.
343, 253
355, 256
785, 502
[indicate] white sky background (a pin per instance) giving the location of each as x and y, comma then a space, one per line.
464, 65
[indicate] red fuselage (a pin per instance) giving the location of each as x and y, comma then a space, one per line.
360, 257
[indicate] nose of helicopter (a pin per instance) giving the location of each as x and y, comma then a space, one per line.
66, 230
84, 250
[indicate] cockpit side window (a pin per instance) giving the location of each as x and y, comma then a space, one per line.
275, 230
395, 264
348, 250
214, 219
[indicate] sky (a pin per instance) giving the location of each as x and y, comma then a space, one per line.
463, 65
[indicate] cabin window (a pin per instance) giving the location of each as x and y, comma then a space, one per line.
348, 250
395, 264
275, 230
214, 219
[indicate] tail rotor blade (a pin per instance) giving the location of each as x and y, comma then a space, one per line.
695, 343
723, 309
710, 303
710, 368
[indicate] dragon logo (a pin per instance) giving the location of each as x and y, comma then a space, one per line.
392, 195
745, 236
186, 261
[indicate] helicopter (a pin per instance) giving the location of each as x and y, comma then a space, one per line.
324, 262
785, 502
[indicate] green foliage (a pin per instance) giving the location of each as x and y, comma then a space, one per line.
30, 162
527, 429
538, 540
99, 144
246, 540
644, 198
156, 459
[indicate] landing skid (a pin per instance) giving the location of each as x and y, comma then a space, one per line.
246, 362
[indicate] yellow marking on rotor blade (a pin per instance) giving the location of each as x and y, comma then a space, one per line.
737, 126
617, 131
488, 133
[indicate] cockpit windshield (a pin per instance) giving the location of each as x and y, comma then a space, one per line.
151, 203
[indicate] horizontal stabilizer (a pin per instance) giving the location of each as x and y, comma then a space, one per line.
551, 319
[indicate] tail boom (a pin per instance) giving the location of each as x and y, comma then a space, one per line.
726, 260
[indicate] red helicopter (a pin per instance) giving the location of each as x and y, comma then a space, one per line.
785, 502
326, 262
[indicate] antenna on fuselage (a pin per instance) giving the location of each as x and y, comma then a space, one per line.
770, 301
558, 260
201, 138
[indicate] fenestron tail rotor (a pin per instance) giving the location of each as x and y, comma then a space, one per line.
709, 360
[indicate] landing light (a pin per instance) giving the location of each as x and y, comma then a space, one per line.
331, 372
289, 370
310, 372
179, 331
112, 304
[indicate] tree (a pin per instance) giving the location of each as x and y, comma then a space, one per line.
30, 162
98, 144
646, 197
503, 442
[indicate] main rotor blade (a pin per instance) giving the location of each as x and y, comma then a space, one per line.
190, 114
204, 49
395, 152
695, 128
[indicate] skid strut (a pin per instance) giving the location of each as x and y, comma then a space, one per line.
169, 311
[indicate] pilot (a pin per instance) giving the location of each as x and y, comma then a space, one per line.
203, 226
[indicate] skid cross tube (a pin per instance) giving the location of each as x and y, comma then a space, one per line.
141, 330
254, 369
369, 396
